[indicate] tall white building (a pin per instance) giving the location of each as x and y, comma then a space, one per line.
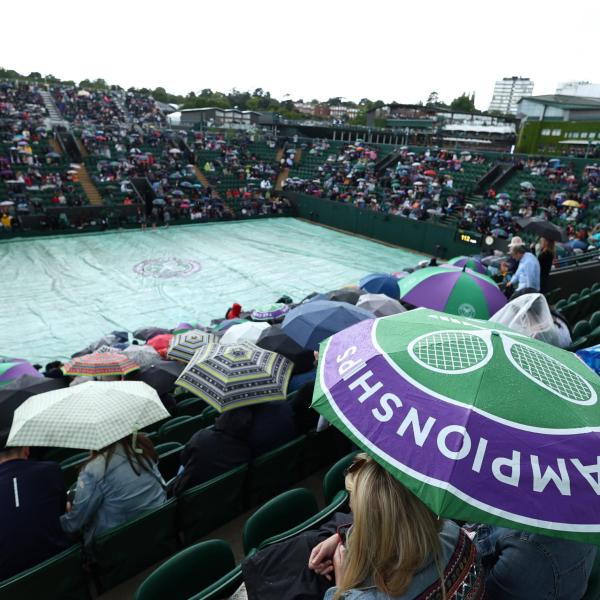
579, 88
508, 92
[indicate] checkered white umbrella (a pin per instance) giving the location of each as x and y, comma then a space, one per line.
89, 416
184, 345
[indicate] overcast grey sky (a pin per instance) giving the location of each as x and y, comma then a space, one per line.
394, 50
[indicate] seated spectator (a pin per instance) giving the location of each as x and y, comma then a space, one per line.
237, 437
397, 548
32, 498
117, 484
522, 565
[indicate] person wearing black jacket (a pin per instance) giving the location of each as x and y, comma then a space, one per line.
238, 436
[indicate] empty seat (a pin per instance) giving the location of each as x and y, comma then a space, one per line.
205, 570
123, 552
274, 471
180, 429
168, 459
209, 505
581, 329
60, 577
277, 516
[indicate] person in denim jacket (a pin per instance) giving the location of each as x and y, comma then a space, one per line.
396, 548
531, 566
117, 484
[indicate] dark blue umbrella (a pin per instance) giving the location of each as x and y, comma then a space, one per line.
381, 283
309, 324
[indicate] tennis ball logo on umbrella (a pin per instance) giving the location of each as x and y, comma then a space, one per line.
454, 352
467, 310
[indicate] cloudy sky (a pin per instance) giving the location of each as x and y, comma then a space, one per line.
390, 50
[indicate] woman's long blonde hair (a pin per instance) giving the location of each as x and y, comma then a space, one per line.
394, 533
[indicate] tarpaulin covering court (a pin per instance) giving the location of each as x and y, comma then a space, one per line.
60, 293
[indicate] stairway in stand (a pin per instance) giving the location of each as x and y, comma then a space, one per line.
281, 178
55, 146
91, 191
53, 113
201, 177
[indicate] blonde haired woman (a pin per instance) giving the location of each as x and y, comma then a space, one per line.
397, 548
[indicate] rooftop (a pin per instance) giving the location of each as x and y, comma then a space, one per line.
566, 102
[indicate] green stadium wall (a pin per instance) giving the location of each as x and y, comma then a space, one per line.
531, 140
422, 236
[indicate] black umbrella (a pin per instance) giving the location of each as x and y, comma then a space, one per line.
161, 375
276, 340
543, 228
349, 295
16, 392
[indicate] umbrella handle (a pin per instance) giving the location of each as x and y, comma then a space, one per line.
134, 441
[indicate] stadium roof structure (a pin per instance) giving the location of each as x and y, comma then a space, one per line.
565, 102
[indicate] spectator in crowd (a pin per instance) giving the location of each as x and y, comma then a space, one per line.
32, 498
117, 484
397, 548
546, 259
527, 276
237, 437
521, 565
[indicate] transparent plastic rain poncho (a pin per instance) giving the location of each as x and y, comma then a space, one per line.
530, 315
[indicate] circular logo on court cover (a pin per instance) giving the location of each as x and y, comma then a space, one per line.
167, 268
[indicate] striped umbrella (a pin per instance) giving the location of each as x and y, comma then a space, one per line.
90, 416
184, 345
273, 312
100, 364
452, 290
469, 262
11, 368
233, 375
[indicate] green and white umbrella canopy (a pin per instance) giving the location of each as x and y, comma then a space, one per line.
480, 422
89, 416
184, 345
229, 376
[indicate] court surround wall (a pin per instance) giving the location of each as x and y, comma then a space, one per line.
421, 236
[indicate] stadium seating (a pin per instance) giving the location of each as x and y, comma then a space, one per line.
205, 570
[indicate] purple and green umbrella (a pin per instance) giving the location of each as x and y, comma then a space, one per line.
483, 424
11, 368
272, 312
469, 262
452, 290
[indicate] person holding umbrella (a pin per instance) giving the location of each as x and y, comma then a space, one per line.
396, 548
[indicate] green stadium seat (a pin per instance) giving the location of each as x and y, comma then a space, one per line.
180, 429
595, 320
334, 479
277, 516
284, 462
123, 552
596, 286
168, 459
190, 406
581, 329
58, 578
209, 416
209, 505
71, 467
193, 572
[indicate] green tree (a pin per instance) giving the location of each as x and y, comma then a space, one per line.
463, 103
433, 98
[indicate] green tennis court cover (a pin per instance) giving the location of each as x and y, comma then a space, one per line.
60, 293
